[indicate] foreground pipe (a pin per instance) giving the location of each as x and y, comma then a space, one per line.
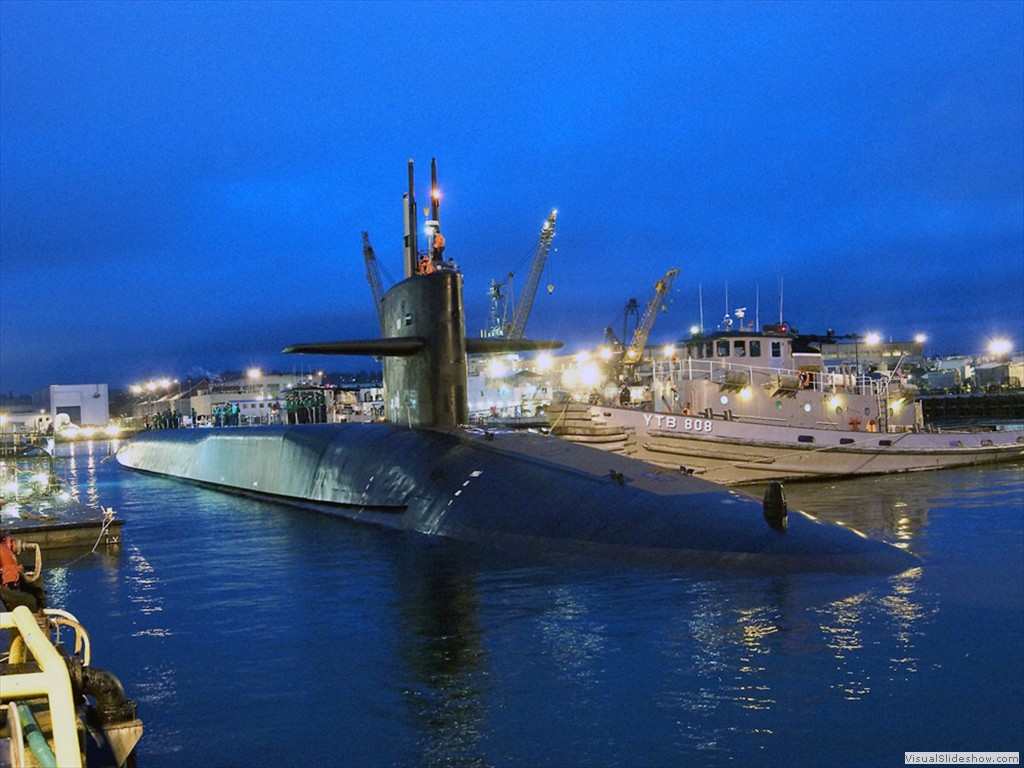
112, 705
36, 740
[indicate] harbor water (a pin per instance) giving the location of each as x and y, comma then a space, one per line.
251, 634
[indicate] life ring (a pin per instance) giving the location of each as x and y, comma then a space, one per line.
854, 423
872, 426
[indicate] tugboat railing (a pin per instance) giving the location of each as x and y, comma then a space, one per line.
59, 618
52, 680
724, 372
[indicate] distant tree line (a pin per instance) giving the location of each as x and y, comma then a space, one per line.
10, 400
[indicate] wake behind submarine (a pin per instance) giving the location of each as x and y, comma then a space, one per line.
423, 472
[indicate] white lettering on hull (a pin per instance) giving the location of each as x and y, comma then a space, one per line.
686, 424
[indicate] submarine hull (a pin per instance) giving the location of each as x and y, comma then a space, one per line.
509, 490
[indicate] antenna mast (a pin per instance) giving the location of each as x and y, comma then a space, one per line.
411, 246
781, 285
433, 224
700, 302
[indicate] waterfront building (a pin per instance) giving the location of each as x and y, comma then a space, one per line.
941, 380
1005, 374
511, 394
873, 355
85, 405
22, 422
253, 408
260, 398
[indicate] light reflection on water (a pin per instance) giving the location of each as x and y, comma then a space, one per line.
77, 464
220, 610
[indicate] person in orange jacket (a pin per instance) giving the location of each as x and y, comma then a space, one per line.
438, 250
15, 589
10, 568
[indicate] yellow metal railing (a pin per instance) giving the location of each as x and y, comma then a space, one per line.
52, 680
58, 619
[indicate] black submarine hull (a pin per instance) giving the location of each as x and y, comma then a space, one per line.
508, 490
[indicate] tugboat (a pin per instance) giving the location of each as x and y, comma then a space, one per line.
751, 406
56, 709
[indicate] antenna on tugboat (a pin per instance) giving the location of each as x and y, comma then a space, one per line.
700, 301
757, 307
781, 285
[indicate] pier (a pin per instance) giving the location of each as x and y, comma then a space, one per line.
55, 534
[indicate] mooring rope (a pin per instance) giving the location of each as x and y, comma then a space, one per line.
108, 519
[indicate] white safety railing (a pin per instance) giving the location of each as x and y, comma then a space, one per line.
738, 374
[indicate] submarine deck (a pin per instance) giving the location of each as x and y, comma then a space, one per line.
505, 488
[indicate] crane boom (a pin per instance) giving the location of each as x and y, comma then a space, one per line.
547, 232
373, 278
643, 330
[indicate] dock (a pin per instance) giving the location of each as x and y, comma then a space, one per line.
68, 529
70, 535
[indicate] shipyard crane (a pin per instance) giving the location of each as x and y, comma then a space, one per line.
632, 308
497, 318
373, 278
635, 350
547, 233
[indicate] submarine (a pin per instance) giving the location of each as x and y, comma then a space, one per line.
427, 473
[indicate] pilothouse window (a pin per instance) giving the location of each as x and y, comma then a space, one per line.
755, 348
776, 349
722, 349
739, 349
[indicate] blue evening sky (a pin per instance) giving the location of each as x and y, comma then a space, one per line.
183, 185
